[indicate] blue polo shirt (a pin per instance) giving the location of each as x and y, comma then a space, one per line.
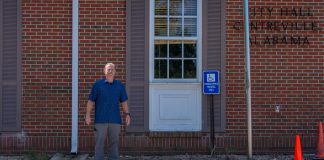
107, 97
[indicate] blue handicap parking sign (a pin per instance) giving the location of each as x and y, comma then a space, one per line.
211, 82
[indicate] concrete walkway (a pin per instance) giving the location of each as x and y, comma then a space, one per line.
59, 156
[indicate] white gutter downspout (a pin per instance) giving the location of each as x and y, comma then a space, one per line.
75, 69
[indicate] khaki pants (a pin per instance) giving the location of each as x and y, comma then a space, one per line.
101, 131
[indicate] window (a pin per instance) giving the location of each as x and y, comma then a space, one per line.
207, 46
175, 102
175, 40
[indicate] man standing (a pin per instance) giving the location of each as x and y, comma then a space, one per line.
105, 96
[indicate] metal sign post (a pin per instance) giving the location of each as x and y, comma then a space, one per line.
211, 86
247, 75
212, 126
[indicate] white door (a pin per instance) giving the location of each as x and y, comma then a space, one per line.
175, 65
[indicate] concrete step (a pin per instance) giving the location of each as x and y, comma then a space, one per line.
59, 156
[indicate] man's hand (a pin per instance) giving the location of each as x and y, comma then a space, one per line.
127, 120
127, 114
88, 120
90, 106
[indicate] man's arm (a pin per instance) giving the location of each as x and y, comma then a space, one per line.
90, 106
125, 108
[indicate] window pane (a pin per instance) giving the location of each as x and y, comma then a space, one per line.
190, 27
190, 7
161, 7
160, 49
190, 49
175, 49
190, 68
160, 68
175, 7
175, 27
175, 56
160, 26
175, 69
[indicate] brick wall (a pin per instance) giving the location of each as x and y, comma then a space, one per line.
47, 56
46, 64
289, 75
284, 71
47, 69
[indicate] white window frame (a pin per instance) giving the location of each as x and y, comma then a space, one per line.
199, 47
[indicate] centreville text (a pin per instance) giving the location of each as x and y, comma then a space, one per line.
272, 26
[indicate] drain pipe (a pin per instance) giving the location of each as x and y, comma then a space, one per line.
75, 69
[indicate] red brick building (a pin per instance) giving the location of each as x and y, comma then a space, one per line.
161, 48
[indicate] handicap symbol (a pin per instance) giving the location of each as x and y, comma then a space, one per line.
210, 77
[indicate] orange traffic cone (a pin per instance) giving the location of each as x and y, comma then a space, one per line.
320, 144
298, 149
